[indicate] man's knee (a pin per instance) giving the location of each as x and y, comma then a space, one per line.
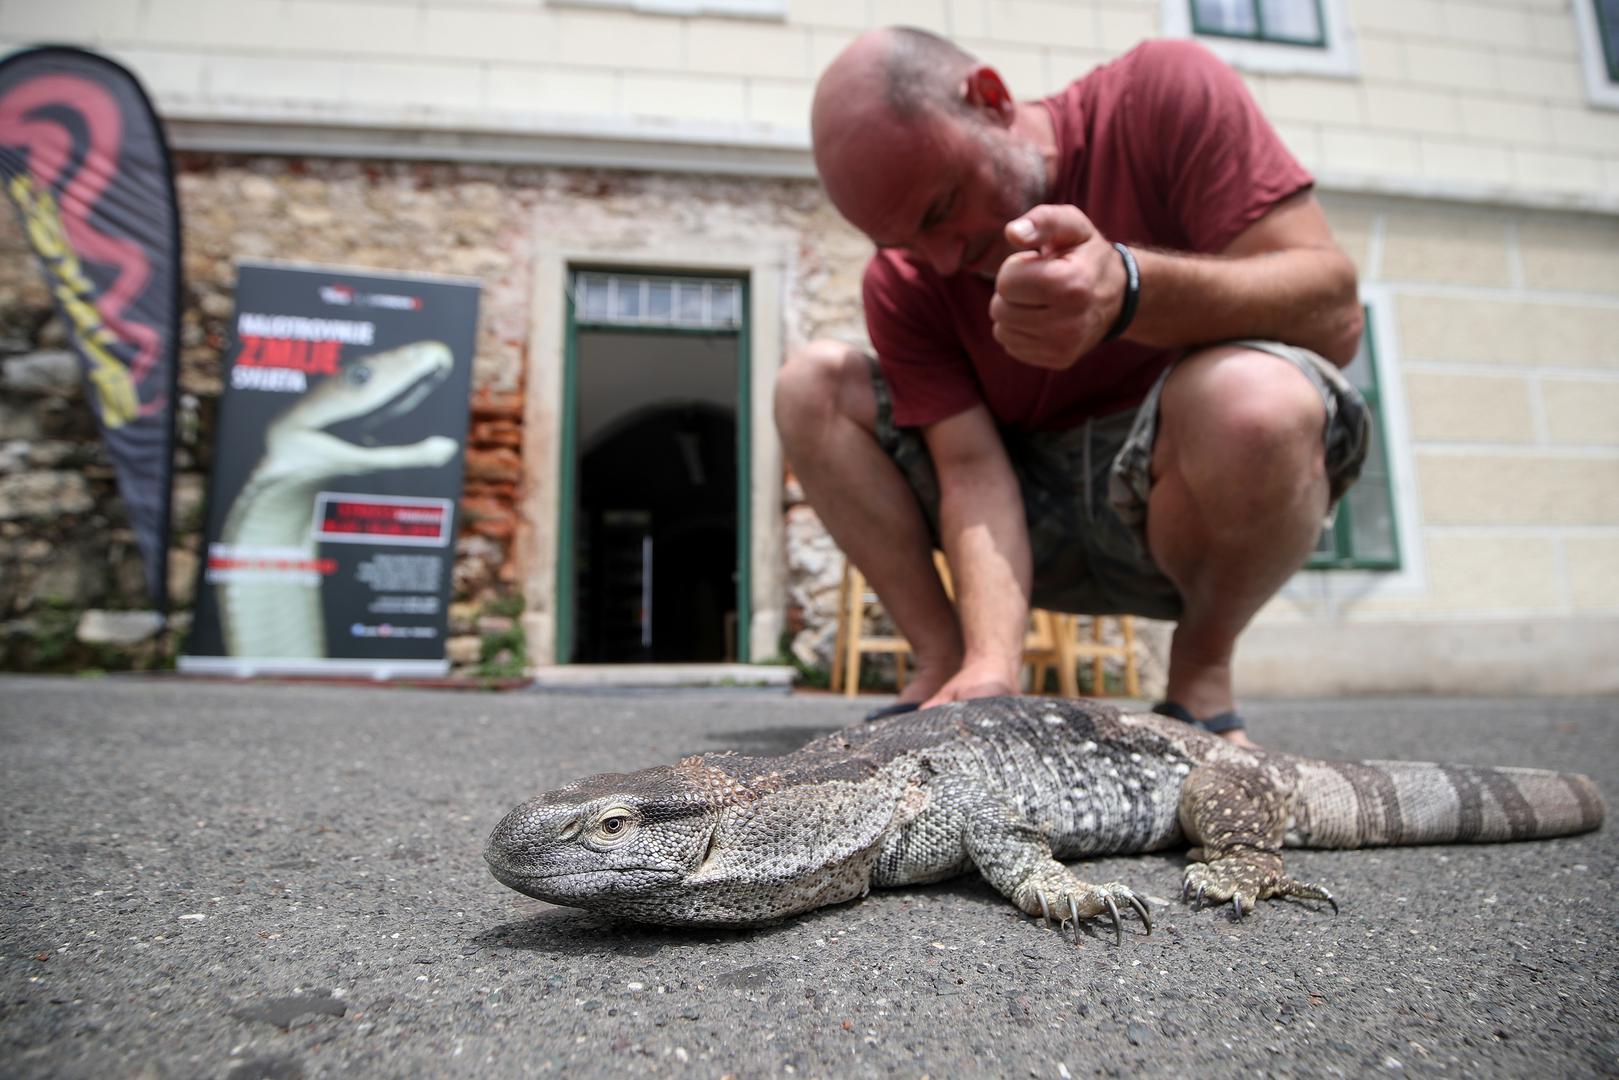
820, 380
1237, 406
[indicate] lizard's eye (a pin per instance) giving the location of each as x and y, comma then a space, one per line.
613, 827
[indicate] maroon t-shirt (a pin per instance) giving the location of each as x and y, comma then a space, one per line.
1160, 148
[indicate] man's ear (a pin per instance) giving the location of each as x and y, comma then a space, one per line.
986, 90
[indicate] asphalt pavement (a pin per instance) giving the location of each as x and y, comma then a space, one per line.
207, 879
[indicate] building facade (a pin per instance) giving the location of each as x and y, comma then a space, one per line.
630, 180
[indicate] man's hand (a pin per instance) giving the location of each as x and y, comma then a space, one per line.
976, 681
1056, 298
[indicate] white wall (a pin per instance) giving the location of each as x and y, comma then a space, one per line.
1482, 99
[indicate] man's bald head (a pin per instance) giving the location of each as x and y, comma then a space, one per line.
908, 71
920, 146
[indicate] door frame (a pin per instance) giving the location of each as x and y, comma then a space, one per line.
567, 617
539, 545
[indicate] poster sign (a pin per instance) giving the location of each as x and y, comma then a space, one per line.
82, 158
331, 510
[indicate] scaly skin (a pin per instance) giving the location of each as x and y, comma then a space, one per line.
1006, 786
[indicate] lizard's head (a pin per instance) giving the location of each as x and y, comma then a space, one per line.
608, 842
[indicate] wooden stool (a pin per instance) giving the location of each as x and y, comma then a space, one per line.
851, 642
1052, 641
1071, 650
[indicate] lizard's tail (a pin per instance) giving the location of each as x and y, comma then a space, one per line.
1377, 803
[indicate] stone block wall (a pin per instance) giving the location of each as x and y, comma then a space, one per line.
1499, 334
64, 543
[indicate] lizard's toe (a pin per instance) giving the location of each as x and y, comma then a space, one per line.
1072, 901
1245, 883
1222, 881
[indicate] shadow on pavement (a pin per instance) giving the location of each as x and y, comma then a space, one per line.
580, 933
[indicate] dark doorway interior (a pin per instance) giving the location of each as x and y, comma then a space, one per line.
656, 542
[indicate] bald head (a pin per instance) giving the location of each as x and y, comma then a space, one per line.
883, 100
920, 146
906, 71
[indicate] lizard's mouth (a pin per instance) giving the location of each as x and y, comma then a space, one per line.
601, 880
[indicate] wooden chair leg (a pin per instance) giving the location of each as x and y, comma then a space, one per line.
857, 618
1098, 662
1067, 656
840, 640
1132, 677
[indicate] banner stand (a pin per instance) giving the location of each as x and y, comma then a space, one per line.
337, 475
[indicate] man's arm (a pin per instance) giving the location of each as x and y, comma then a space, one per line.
981, 523
1283, 278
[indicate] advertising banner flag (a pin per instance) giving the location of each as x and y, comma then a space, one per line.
83, 159
337, 473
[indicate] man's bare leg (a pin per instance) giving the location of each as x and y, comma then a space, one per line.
826, 413
1239, 492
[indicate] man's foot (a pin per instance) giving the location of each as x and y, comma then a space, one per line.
1228, 725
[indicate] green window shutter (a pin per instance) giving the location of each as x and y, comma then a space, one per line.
1363, 535
1607, 12
1282, 22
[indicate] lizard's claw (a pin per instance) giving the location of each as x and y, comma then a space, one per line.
1247, 880
1076, 901
1304, 890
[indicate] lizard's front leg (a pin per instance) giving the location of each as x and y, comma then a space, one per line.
1014, 856
1238, 816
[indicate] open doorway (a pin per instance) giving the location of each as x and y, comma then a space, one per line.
655, 567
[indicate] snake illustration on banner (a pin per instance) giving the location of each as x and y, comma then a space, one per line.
265, 563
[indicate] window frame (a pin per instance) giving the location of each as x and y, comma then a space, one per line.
1600, 65
1343, 556
1338, 58
1259, 36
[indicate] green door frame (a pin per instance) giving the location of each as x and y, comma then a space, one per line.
568, 491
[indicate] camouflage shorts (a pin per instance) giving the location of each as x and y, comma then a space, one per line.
1085, 490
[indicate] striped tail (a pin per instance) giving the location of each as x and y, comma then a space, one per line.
1378, 803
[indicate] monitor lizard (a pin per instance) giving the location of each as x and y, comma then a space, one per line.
1006, 786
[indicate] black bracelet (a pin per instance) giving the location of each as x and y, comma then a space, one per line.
1132, 294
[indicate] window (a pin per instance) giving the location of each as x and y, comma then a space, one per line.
1276, 37
1598, 25
1363, 534
1287, 22
646, 300
1607, 13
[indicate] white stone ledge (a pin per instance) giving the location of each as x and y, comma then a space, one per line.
1508, 655
617, 143
648, 144
630, 676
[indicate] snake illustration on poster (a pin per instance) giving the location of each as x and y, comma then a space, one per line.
331, 509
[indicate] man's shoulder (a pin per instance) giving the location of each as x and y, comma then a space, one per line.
1160, 60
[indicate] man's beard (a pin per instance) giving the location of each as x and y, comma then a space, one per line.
1020, 176
1022, 171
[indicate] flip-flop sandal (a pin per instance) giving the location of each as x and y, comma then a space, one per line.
899, 708
1218, 724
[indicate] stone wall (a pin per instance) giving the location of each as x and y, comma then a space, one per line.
64, 543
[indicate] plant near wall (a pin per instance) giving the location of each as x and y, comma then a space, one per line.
504, 652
